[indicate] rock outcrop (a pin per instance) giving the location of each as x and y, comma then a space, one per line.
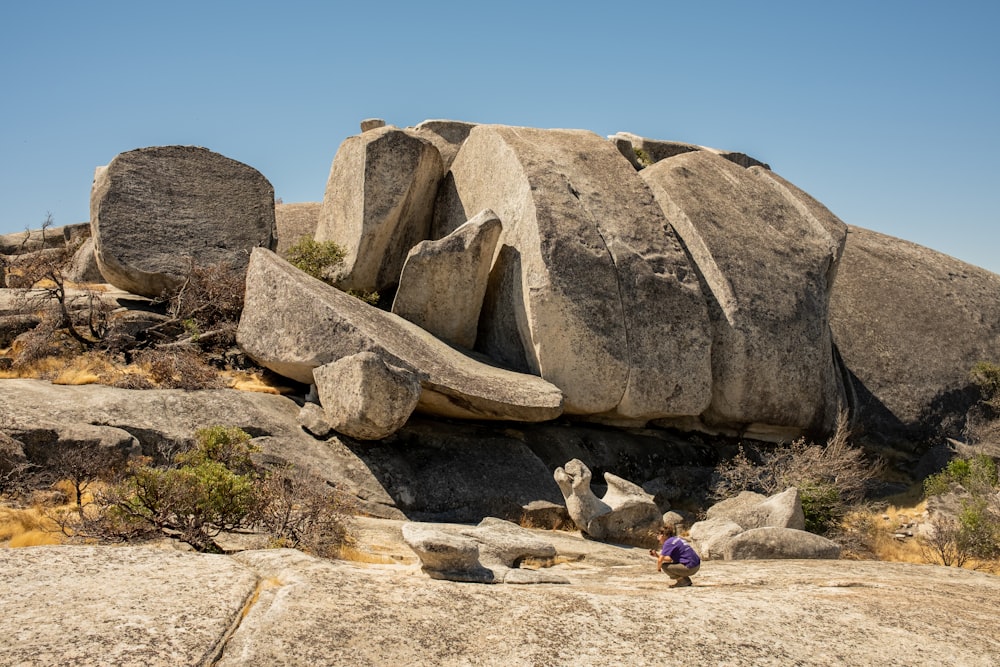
606, 303
772, 542
643, 152
442, 285
753, 510
136, 606
293, 323
378, 204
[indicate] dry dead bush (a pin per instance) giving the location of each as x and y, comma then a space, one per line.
301, 511
178, 369
831, 478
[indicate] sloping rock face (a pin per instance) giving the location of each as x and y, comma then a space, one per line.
154, 211
295, 222
293, 323
654, 150
282, 607
443, 282
768, 256
606, 303
773, 542
909, 324
446, 135
378, 204
753, 510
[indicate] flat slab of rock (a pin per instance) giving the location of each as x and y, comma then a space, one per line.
605, 303
772, 542
154, 211
293, 323
768, 255
121, 606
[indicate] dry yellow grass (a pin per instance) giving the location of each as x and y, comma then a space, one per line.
27, 527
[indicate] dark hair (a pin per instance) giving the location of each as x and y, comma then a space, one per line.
667, 530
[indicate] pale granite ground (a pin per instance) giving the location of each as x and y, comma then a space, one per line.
144, 606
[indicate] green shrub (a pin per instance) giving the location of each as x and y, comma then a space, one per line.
976, 474
317, 258
986, 376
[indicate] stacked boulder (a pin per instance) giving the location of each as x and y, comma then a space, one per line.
751, 526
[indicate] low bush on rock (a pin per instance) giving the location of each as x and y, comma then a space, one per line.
320, 260
831, 478
213, 487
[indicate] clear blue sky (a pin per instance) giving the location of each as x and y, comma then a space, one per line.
888, 111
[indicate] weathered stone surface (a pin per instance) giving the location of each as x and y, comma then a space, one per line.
164, 421
768, 258
753, 510
626, 514
909, 324
313, 419
446, 135
366, 398
121, 606
293, 323
443, 282
378, 204
31, 240
295, 222
711, 536
654, 150
83, 265
772, 542
600, 281
156, 210
311, 611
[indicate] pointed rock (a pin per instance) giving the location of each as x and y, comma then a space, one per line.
443, 282
295, 222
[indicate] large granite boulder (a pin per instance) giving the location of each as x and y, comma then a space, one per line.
83, 266
768, 255
711, 536
366, 398
442, 285
293, 323
605, 303
294, 222
909, 324
773, 542
156, 211
378, 204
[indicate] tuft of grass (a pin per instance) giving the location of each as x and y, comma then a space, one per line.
27, 527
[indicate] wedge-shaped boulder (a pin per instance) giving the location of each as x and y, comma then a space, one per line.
293, 323
378, 203
604, 300
443, 282
910, 323
446, 135
768, 255
364, 397
155, 211
772, 542
712, 535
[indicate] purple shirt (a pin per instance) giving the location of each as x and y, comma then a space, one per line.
680, 552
